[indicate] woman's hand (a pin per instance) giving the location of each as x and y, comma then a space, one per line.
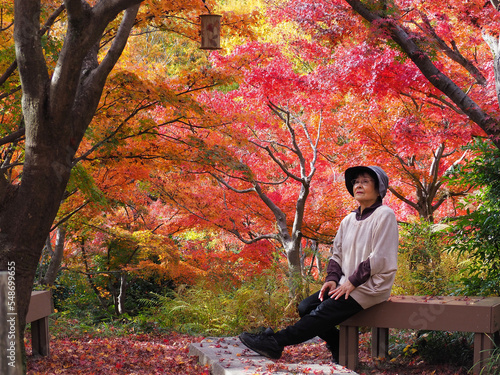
344, 289
327, 289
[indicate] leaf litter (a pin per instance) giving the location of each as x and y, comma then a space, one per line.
148, 354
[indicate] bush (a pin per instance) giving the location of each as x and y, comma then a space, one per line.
73, 296
476, 235
424, 268
433, 347
205, 309
437, 347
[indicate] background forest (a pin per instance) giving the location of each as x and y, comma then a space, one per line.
204, 193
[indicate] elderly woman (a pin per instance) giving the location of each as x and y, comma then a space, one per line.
360, 272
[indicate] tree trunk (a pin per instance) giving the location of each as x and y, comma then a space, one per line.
494, 44
57, 111
121, 295
56, 258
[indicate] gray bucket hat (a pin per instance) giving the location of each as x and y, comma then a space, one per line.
374, 171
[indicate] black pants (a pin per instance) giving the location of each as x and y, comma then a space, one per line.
319, 319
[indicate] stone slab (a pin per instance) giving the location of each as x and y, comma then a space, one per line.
228, 356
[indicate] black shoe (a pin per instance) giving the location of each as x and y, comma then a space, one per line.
263, 343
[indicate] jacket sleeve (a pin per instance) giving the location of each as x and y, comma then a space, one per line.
333, 271
362, 273
384, 255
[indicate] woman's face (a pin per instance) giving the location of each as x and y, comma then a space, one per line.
364, 190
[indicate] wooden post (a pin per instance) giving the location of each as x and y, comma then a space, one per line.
348, 350
39, 311
380, 342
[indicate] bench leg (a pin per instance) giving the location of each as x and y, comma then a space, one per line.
40, 337
380, 342
348, 351
483, 345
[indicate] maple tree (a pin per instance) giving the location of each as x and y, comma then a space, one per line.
265, 145
416, 152
109, 185
391, 116
439, 44
56, 61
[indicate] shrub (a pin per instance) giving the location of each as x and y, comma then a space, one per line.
438, 347
433, 347
205, 309
424, 268
476, 235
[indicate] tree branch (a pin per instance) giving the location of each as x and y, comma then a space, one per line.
439, 80
453, 54
13, 137
118, 44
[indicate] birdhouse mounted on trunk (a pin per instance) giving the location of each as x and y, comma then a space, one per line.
210, 31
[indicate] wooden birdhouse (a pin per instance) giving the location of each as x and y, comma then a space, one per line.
210, 31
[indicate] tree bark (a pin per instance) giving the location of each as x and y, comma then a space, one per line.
121, 295
494, 44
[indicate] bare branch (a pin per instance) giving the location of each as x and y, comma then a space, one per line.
244, 191
8, 72
403, 198
13, 137
113, 133
69, 216
278, 162
119, 43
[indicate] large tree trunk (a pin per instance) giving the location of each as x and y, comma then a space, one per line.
57, 111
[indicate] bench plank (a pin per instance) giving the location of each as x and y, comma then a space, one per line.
435, 314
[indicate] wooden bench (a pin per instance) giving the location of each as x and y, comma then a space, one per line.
39, 309
479, 315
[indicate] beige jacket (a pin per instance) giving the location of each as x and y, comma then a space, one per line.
377, 238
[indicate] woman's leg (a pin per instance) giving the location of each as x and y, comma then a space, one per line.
319, 322
309, 304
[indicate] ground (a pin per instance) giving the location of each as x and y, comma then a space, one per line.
168, 354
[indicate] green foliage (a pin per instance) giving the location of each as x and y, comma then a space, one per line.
203, 309
74, 298
64, 325
438, 347
476, 235
433, 347
82, 181
492, 364
423, 266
